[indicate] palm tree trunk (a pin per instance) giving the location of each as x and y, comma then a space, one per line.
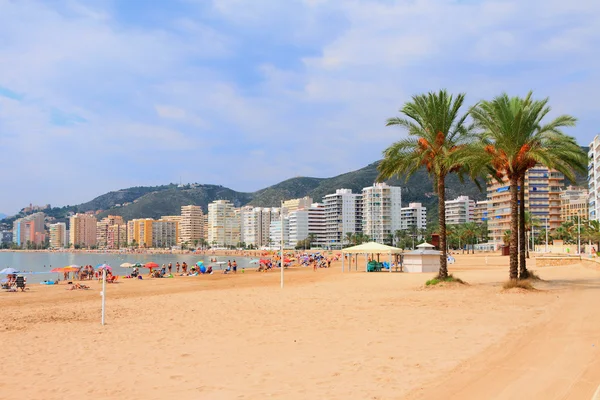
514, 227
523, 274
442, 221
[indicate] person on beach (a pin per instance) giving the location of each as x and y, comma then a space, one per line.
229, 265
177, 267
184, 267
234, 267
170, 268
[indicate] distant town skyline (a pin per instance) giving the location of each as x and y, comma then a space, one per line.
105, 94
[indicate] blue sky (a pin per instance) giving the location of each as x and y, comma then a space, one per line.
100, 95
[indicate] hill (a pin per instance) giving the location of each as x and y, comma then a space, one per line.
156, 201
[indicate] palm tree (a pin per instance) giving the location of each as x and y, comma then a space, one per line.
436, 134
515, 140
349, 237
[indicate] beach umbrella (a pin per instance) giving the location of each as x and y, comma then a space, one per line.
57, 269
151, 265
9, 271
127, 265
200, 263
103, 266
220, 263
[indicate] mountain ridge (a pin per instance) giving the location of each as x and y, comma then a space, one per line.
157, 201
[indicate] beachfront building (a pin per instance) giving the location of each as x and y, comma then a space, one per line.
29, 229
343, 215
82, 230
116, 237
460, 210
382, 211
413, 217
275, 233
297, 204
224, 224
164, 233
177, 219
6, 237
594, 179
191, 226
542, 198
480, 213
574, 204
58, 235
139, 232
308, 224
255, 225
102, 229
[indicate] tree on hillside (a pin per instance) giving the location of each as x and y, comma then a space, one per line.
515, 140
437, 131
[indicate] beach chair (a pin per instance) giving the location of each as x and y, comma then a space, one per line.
21, 283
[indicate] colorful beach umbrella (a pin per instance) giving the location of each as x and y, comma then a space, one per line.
127, 265
100, 267
151, 265
9, 271
200, 263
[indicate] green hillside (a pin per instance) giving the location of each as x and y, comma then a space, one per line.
154, 202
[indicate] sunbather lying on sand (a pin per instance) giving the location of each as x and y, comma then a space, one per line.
78, 286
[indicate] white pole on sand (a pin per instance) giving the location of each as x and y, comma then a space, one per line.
281, 216
578, 234
546, 234
103, 294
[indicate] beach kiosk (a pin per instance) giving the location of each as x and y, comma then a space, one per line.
369, 248
424, 259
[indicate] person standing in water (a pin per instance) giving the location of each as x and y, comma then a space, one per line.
234, 267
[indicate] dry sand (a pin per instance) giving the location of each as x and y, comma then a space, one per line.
326, 335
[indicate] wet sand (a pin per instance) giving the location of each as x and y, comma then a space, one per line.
325, 335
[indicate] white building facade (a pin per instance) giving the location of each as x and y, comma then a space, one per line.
224, 224
343, 215
382, 211
414, 217
594, 179
460, 210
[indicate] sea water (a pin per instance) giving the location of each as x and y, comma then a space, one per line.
40, 263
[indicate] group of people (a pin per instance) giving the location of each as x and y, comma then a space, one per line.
14, 282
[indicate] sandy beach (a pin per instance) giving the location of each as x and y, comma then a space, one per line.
325, 335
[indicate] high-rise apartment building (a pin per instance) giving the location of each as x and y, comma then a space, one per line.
308, 223
139, 232
58, 235
594, 179
164, 233
177, 219
574, 204
82, 230
460, 210
343, 215
275, 233
297, 204
414, 217
192, 225
255, 225
116, 236
224, 224
102, 229
480, 213
542, 199
382, 211
29, 229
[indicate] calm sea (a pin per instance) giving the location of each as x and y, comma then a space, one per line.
44, 262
